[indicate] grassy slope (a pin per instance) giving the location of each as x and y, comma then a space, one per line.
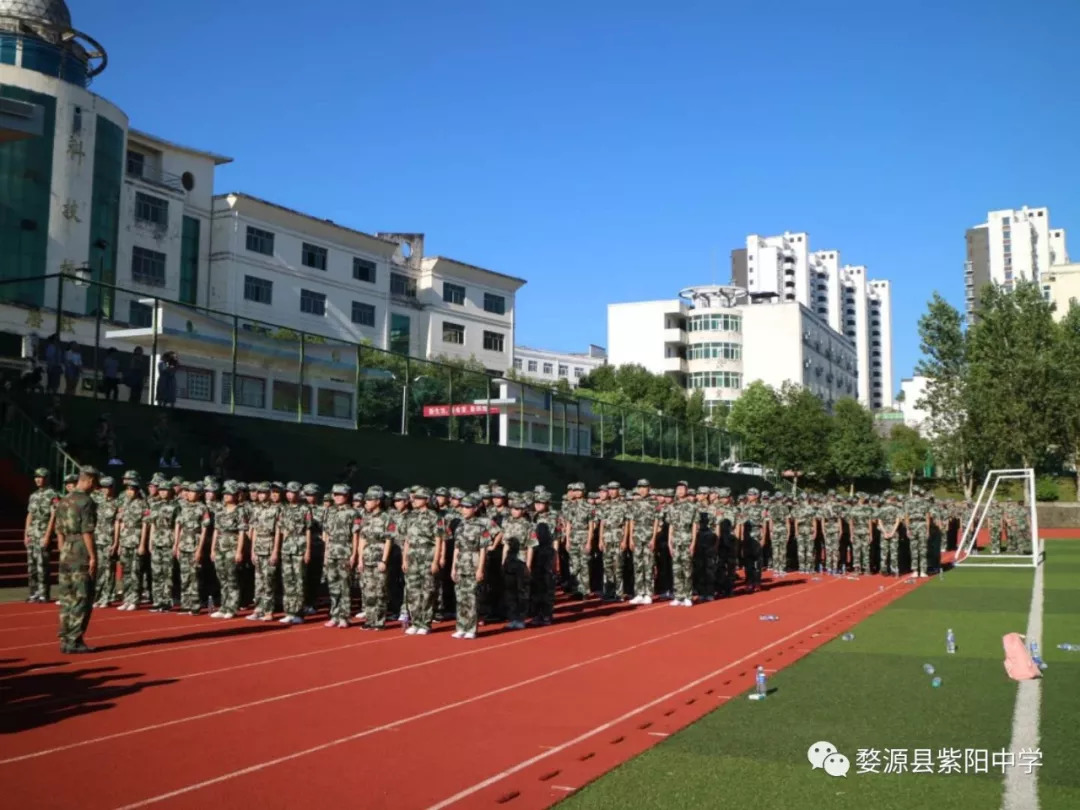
872, 693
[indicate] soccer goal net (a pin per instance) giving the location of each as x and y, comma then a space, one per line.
1006, 522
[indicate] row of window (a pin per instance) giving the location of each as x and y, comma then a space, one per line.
549, 368
455, 294
454, 333
316, 257
714, 351
197, 385
714, 323
715, 379
261, 291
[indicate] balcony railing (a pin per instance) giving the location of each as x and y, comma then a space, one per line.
157, 177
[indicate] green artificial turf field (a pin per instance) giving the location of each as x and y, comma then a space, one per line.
872, 693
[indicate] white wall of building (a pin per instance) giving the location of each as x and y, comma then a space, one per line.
880, 363
913, 389
550, 367
779, 264
645, 332
1020, 244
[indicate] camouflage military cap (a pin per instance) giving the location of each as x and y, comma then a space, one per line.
157, 479
341, 489
455, 492
41, 472
513, 495
71, 478
752, 491
358, 495
213, 486
262, 486
702, 490
276, 485
543, 497
414, 487
210, 479
195, 486
539, 488
593, 495
613, 485
442, 491
242, 486
421, 493
374, 494
293, 486
498, 492
469, 502
327, 498
401, 496
517, 504
576, 486
176, 481
681, 484
724, 492
132, 479
89, 471
484, 490
106, 481
643, 482
229, 488
311, 489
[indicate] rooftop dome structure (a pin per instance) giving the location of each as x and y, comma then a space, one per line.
49, 42
53, 13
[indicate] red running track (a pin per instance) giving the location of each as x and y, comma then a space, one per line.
174, 711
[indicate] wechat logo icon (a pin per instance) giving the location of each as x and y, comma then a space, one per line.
824, 755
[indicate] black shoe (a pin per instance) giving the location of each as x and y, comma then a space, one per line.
81, 648
66, 649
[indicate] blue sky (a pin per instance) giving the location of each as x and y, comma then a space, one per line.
614, 151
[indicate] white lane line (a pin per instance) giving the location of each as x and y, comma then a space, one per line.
1022, 788
469, 791
465, 702
145, 632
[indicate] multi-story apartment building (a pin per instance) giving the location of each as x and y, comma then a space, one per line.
550, 367
713, 339
1012, 245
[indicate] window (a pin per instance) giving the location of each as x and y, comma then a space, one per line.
495, 304
400, 333
195, 383
453, 333
453, 293
147, 267
313, 303
402, 285
250, 391
714, 351
136, 163
493, 341
140, 316
579, 372
532, 366
548, 368
1004, 220
258, 290
335, 404
517, 363
714, 323
363, 314
151, 209
363, 270
564, 371
716, 379
313, 256
260, 241
287, 397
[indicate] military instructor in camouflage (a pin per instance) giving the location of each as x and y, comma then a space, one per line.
76, 524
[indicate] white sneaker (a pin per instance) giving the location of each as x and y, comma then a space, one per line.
295, 620
403, 616
636, 600
646, 600
343, 623
410, 631
285, 620
360, 615
217, 614
675, 603
468, 635
687, 602
266, 617
423, 631
457, 634
254, 617
228, 615
122, 607
330, 623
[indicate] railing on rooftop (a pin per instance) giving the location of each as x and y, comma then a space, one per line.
325, 380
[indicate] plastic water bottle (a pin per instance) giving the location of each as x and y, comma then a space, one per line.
769, 617
950, 642
928, 669
848, 637
1035, 655
1069, 647
760, 687
210, 603
936, 682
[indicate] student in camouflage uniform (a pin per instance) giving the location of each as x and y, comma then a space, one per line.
193, 523
861, 523
613, 515
917, 511
340, 530
545, 560
313, 573
264, 551
889, 519
779, 513
162, 543
641, 514
294, 538
705, 549
804, 516
424, 535
726, 520
753, 523
105, 541
76, 523
577, 521
1018, 526
472, 536
377, 530
227, 551
518, 540
682, 519
133, 531
39, 512
832, 526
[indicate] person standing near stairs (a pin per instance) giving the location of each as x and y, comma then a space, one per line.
105, 540
76, 523
39, 513
162, 541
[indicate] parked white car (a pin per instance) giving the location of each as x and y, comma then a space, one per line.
749, 468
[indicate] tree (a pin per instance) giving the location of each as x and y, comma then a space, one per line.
753, 420
945, 365
906, 451
802, 433
854, 446
1067, 361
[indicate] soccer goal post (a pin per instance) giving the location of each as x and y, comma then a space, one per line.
968, 552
